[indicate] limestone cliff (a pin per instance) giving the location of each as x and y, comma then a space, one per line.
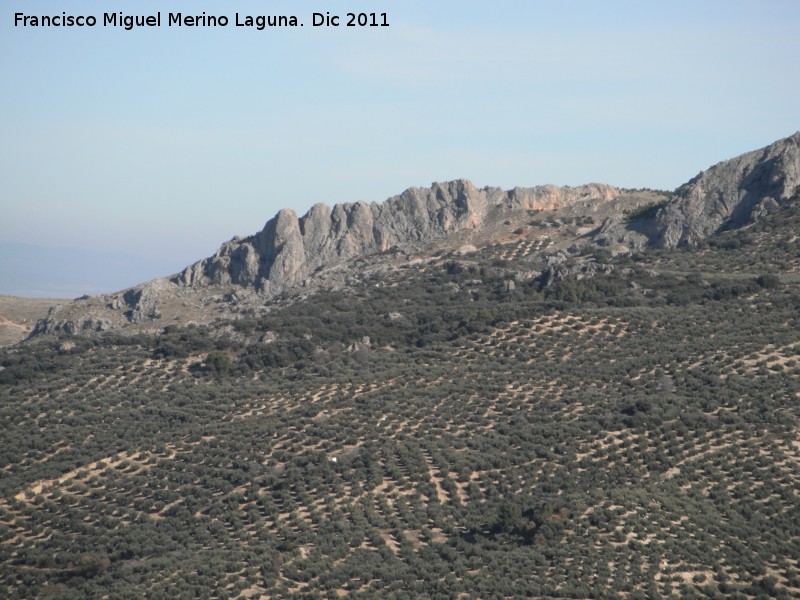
289, 249
329, 247
730, 194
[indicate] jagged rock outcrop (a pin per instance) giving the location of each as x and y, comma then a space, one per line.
730, 194
615, 231
339, 247
562, 266
550, 197
53, 323
289, 249
137, 304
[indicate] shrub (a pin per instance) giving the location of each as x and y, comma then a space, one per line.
768, 281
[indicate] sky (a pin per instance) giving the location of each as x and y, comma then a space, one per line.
147, 149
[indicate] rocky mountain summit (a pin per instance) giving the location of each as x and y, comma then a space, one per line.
334, 247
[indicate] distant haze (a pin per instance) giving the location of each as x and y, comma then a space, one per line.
42, 272
154, 146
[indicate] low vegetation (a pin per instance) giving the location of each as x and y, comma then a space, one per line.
437, 433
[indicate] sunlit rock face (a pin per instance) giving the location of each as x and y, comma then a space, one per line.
289, 249
731, 194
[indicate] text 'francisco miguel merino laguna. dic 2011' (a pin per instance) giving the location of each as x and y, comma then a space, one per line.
179, 19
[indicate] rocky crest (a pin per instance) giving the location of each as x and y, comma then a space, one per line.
330, 248
289, 249
730, 194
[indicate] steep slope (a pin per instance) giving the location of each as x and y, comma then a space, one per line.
730, 194
289, 249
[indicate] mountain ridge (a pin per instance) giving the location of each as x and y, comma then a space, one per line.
297, 255
289, 248
527, 408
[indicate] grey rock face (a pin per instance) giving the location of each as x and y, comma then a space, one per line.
560, 269
52, 325
730, 194
289, 249
143, 300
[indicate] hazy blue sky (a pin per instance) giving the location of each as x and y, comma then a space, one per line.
162, 143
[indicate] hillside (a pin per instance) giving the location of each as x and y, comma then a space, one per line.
334, 248
553, 404
18, 316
